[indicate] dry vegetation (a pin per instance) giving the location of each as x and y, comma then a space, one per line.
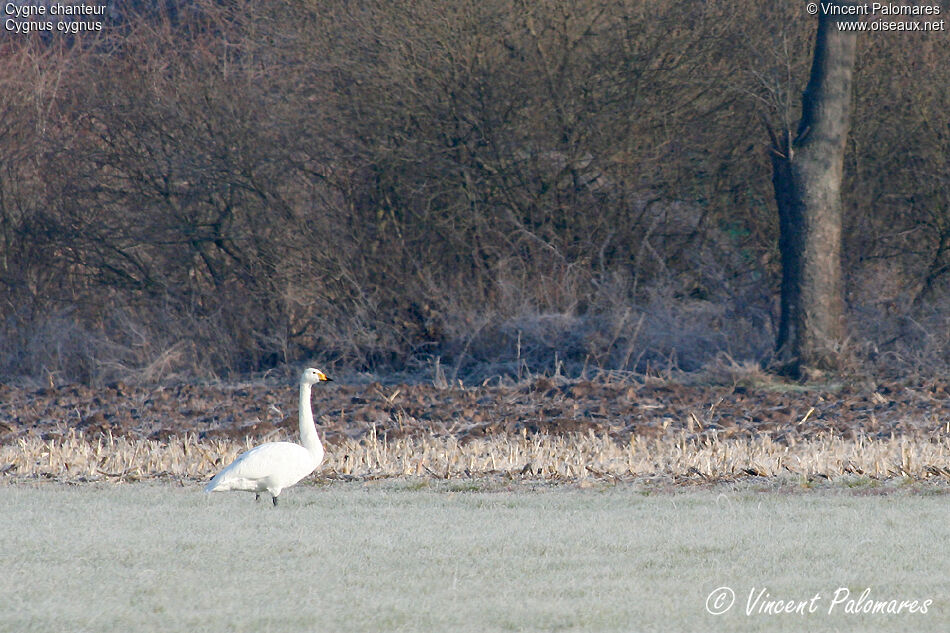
215, 188
677, 458
481, 192
541, 429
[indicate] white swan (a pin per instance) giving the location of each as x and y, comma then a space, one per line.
277, 465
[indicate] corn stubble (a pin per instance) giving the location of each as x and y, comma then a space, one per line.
677, 457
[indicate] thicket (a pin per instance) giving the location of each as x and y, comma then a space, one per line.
473, 188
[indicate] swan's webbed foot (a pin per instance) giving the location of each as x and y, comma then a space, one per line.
275, 501
257, 496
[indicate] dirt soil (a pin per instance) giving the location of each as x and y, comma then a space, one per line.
787, 412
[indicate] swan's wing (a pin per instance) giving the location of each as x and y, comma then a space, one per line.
253, 464
263, 466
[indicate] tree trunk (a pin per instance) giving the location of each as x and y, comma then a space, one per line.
806, 174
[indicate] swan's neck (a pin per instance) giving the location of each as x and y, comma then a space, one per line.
308, 432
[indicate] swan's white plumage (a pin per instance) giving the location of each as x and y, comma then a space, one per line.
271, 467
277, 465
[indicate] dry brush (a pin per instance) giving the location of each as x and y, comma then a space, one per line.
678, 458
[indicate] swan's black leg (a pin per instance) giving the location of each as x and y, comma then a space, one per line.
257, 496
275, 501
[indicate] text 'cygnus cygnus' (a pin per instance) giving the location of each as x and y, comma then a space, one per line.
277, 465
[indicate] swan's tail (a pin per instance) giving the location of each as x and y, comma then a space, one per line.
213, 484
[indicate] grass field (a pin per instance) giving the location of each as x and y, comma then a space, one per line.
411, 555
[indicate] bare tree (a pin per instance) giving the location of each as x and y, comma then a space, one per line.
806, 174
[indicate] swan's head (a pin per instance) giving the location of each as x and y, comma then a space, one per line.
312, 376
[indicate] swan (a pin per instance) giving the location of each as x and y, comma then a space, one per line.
277, 465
